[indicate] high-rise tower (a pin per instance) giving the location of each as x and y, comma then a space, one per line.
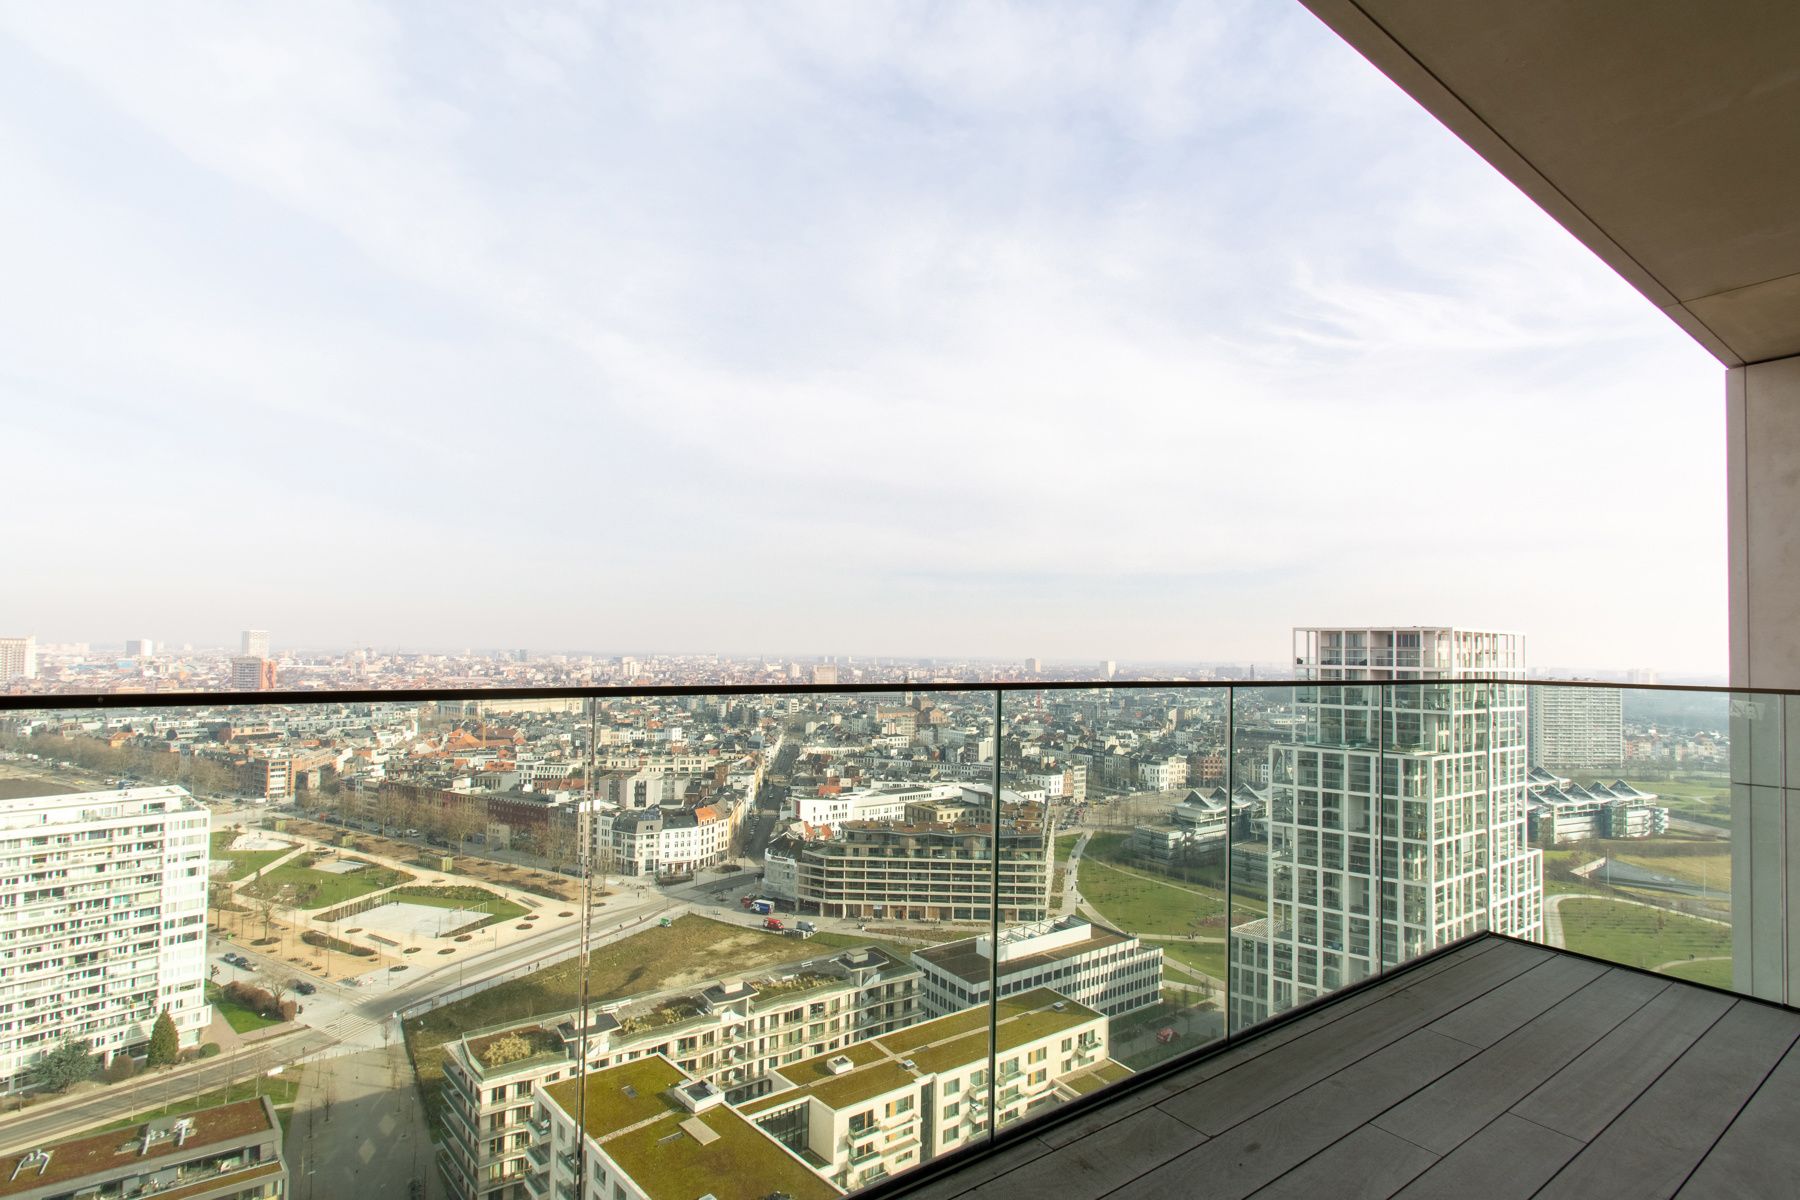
1397, 813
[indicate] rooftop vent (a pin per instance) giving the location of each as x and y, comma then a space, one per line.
839, 1064
39, 1159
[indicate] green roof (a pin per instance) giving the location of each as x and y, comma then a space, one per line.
743, 1163
861, 1085
609, 1105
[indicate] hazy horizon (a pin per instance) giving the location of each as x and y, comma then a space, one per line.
1000, 331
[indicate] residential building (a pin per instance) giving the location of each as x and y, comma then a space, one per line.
104, 903
825, 673
18, 658
254, 643
1163, 774
1196, 829
140, 648
252, 673
1576, 728
1562, 810
1396, 816
878, 802
1104, 969
920, 872
658, 841
228, 1152
732, 1034
884, 1106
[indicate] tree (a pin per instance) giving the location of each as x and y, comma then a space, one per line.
62, 1068
165, 1043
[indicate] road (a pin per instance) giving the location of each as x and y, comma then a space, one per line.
112, 1103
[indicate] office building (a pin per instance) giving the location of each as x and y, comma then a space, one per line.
1562, 810
104, 903
252, 674
732, 1034
254, 643
1108, 971
1396, 817
140, 648
18, 658
229, 1152
825, 673
1576, 728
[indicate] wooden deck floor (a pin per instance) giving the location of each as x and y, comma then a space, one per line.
1497, 1070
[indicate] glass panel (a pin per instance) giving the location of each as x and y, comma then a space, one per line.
1631, 807
1124, 966
1265, 853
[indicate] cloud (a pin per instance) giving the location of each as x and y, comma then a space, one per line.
1179, 297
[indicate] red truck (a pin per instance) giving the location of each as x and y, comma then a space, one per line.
772, 923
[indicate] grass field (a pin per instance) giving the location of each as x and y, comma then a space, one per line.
281, 1093
303, 887
1713, 871
1638, 936
244, 863
692, 950
1716, 972
1208, 957
236, 1015
1065, 845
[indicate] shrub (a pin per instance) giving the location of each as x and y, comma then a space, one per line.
505, 1049
209, 1050
60, 1069
165, 1042
121, 1068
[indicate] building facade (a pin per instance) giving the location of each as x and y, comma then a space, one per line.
921, 872
252, 673
1575, 728
231, 1152
733, 1034
103, 896
18, 658
1396, 816
1103, 969
1562, 810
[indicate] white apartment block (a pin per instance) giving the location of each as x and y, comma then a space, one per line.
732, 1035
882, 1107
18, 658
1576, 728
655, 841
102, 921
1397, 815
1108, 971
881, 802
1163, 775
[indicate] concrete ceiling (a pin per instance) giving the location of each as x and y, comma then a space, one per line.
1665, 134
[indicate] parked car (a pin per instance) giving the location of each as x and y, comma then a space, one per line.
772, 923
303, 987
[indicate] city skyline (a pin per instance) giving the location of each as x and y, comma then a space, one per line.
1059, 332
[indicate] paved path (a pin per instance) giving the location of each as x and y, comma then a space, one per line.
359, 1129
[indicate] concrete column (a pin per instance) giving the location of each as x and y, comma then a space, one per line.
1763, 474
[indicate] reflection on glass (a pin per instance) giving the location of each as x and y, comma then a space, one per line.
1631, 806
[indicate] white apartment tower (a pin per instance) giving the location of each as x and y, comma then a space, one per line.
102, 921
18, 658
254, 643
1576, 728
1396, 815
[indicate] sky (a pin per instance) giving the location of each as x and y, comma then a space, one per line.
1079, 331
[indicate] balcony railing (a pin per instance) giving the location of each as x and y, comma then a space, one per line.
1329, 832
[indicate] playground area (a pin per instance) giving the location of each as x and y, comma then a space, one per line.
414, 923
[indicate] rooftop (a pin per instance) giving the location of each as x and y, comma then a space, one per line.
79, 1157
1495, 1068
674, 1154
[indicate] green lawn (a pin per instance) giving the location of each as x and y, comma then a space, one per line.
280, 1091
1716, 972
236, 1015
692, 950
1208, 957
1638, 936
1145, 905
244, 863
303, 887
1065, 845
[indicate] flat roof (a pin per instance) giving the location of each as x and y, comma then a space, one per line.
674, 1154
944, 1044
77, 1158
968, 964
